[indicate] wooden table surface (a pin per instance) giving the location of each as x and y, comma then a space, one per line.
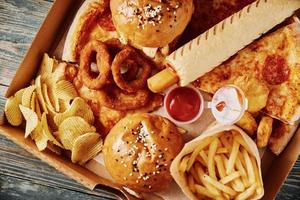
21, 175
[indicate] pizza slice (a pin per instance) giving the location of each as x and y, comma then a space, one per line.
268, 70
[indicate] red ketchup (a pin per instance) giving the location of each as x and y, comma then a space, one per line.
183, 104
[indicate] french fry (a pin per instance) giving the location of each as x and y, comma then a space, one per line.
225, 142
232, 157
242, 142
200, 160
219, 185
220, 166
210, 162
245, 181
247, 193
195, 175
238, 185
211, 188
241, 158
203, 155
201, 146
259, 188
203, 191
249, 167
230, 177
191, 183
222, 150
239, 167
183, 163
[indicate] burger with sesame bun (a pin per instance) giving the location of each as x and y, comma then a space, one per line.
139, 150
151, 23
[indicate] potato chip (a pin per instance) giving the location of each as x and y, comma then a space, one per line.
31, 119
38, 85
63, 105
38, 108
46, 97
78, 108
86, 147
71, 128
65, 90
255, 90
46, 66
12, 111
27, 95
32, 101
42, 134
19, 95
51, 91
59, 72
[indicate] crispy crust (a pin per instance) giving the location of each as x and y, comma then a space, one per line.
81, 27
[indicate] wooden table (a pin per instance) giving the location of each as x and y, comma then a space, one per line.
21, 175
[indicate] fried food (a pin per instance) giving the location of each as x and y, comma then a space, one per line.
12, 111
111, 103
264, 131
248, 123
223, 175
103, 62
114, 98
141, 80
31, 119
280, 137
268, 60
256, 91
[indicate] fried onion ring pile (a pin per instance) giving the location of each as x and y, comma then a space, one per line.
103, 61
121, 83
127, 55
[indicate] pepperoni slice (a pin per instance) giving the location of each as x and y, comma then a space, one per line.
275, 70
105, 21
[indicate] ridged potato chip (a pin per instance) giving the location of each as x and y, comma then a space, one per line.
71, 128
38, 108
86, 147
42, 134
51, 90
12, 111
31, 119
32, 101
46, 97
78, 108
255, 90
59, 72
38, 85
63, 105
27, 95
65, 90
46, 66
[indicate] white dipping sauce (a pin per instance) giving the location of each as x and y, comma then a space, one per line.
228, 105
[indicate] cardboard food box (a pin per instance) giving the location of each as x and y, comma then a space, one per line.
48, 39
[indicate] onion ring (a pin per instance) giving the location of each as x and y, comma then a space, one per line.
117, 99
141, 80
103, 61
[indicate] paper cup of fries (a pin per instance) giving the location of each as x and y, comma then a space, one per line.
222, 163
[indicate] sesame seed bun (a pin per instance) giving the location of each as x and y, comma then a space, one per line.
149, 23
139, 150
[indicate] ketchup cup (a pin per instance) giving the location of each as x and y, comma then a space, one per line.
184, 105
